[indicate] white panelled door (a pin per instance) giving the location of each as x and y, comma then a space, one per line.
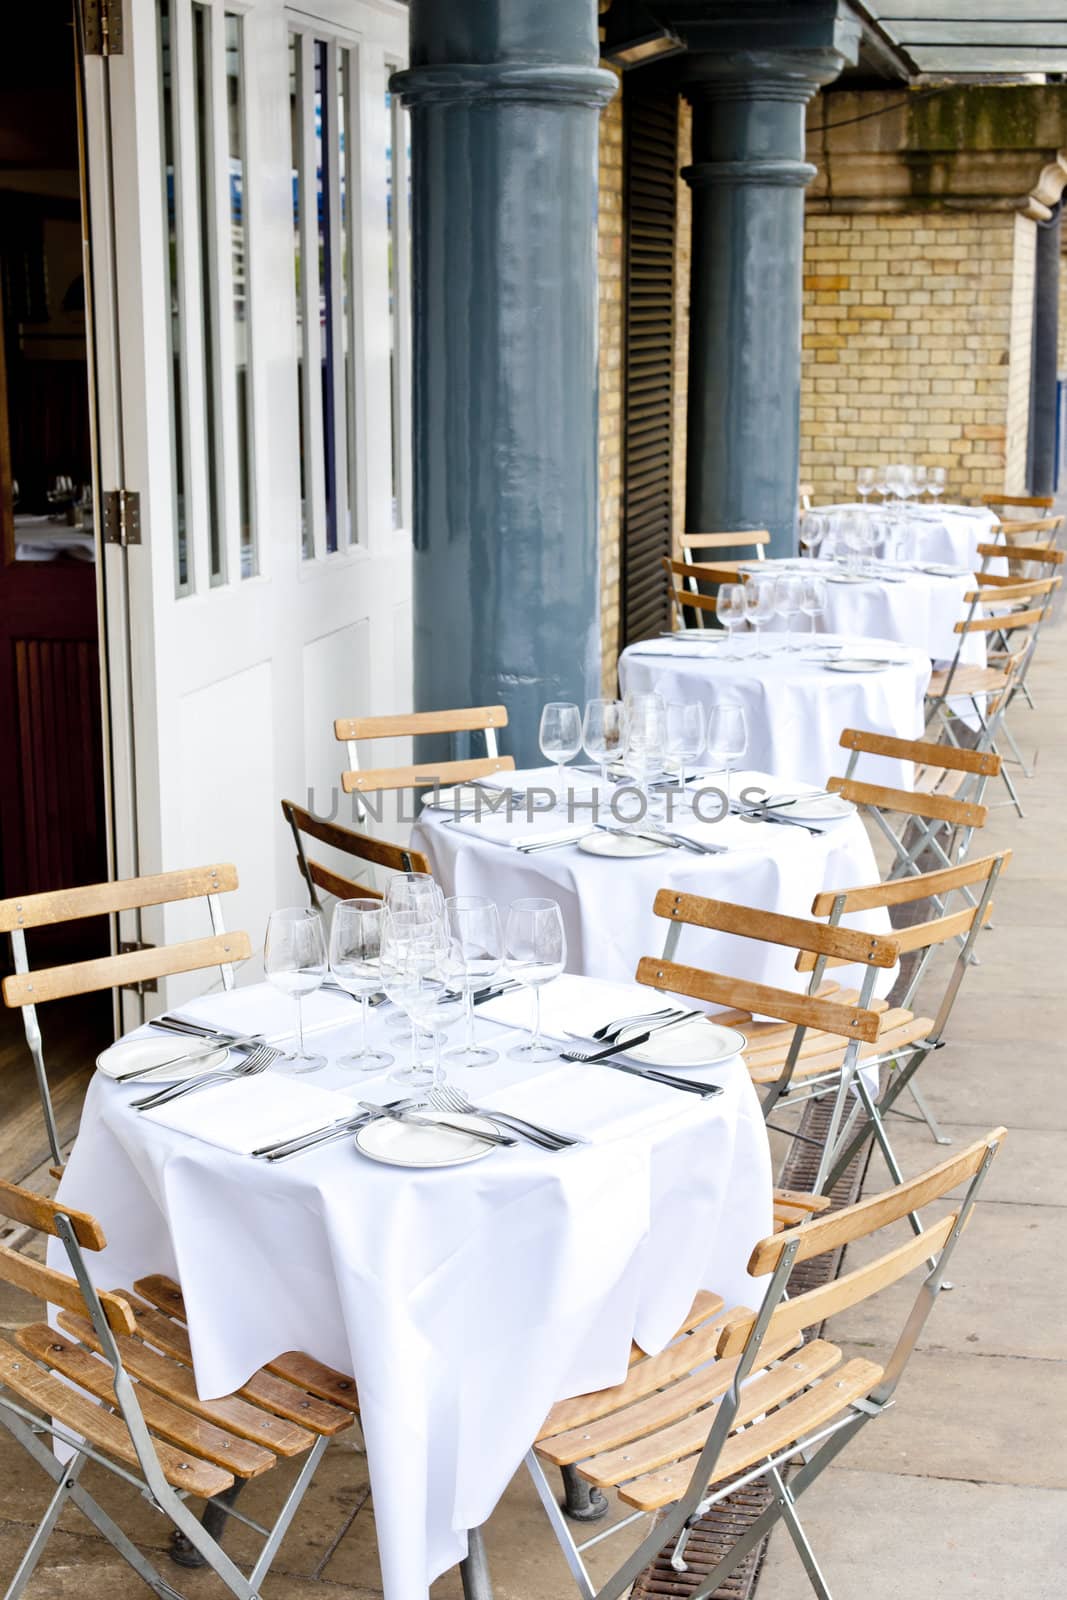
249, 200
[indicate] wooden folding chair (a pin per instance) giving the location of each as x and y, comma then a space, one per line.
1017, 502
692, 545
377, 852
739, 1395
351, 731
939, 815
684, 579
135, 1410
1028, 561
28, 989
844, 1136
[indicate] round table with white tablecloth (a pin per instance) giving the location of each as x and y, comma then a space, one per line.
607, 903
465, 1300
935, 532
796, 702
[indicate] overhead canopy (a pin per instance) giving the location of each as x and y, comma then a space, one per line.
965, 38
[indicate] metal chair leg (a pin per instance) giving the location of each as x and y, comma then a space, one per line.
182, 1551
581, 1502
474, 1569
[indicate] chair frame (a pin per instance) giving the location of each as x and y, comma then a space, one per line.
360, 845
28, 988
743, 1335
693, 574
476, 719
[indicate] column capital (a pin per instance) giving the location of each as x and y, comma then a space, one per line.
527, 82
722, 27
790, 76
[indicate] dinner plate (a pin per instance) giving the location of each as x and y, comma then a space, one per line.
409, 1144
619, 844
692, 1044
856, 664
138, 1055
824, 808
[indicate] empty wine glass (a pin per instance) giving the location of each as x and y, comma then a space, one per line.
685, 734
408, 950
813, 530
294, 959
355, 961
646, 740
813, 600
603, 732
727, 737
535, 952
473, 926
730, 610
759, 608
935, 482
787, 593
881, 481
860, 540
560, 735
416, 892
864, 482
918, 481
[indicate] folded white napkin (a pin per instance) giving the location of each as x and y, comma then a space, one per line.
675, 647
261, 1008
595, 1102
243, 1115
497, 829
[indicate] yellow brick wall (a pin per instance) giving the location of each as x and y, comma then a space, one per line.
610, 296
916, 347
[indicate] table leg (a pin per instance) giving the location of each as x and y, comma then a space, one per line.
581, 1502
474, 1568
214, 1522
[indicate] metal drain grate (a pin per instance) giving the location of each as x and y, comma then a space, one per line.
716, 1533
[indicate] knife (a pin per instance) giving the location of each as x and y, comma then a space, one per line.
436, 1122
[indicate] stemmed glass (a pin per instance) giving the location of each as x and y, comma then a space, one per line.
918, 481
813, 530
294, 959
412, 948
646, 741
355, 961
813, 600
864, 482
603, 732
787, 594
685, 734
473, 926
535, 952
935, 482
730, 610
419, 893
560, 735
759, 608
881, 481
727, 737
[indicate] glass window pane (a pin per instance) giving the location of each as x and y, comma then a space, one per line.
347, 113
324, 113
174, 320
295, 55
205, 168
397, 193
241, 290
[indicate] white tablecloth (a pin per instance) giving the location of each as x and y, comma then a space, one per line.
795, 707
607, 903
945, 533
466, 1301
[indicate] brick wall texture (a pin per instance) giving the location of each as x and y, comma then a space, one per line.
917, 347
610, 292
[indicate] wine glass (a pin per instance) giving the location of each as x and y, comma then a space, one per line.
813, 599
918, 480
603, 732
813, 530
294, 959
407, 945
473, 926
935, 482
759, 608
730, 610
727, 737
787, 593
685, 734
416, 892
535, 952
861, 540
864, 482
560, 735
646, 740
881, 481
355, 961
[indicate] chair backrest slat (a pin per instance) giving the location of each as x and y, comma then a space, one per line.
1021, 589
924, 752
1042, 553
1047, 501
904, 891
134, 966
468, 719
753, 537
913, 802
100, 899
57, 1288
770, 927
36, 1211
847, 1022
1013, 619
360, 846
425, 776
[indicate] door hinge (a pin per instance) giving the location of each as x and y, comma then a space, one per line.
122, 516
103, 27
141, 985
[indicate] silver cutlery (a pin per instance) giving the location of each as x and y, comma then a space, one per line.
492, 992
610, 1030
378, 998
297, 1143
536, 846
400, 1115
617, 1048
254, 1064
187, 1058
706, 1091
449, 1098
761, 814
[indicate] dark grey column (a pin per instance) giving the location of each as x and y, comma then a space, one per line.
505, 98
750, 74
1041, 473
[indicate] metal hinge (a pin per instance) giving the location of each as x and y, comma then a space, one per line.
103, 27
142, 985
122, 517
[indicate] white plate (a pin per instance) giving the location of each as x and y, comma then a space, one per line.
619, 844
857, 664
692, 1044
407, 1144
826, 808
137, 1055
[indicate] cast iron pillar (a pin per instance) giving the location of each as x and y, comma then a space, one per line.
1041, 465
505, 97
750, 74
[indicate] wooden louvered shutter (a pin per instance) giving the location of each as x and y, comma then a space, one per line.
650, 197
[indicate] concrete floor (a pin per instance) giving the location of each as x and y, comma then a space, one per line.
960, 1491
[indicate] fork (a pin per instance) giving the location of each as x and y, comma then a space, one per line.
259, 1060
706, 1091
449, 1098
610, 1029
